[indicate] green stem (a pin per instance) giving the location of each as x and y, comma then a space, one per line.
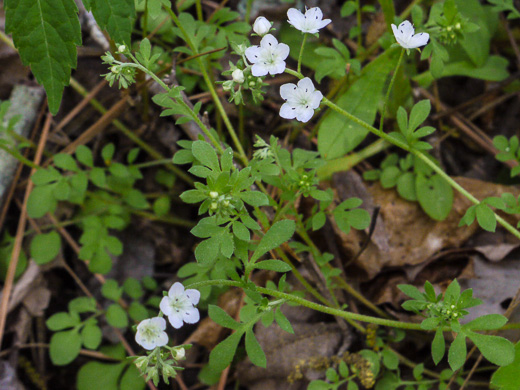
420, 155
387, 97
154, 163
248, 11
211, 88
300, 57
314, 306
199, 10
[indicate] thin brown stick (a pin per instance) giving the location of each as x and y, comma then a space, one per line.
9, 280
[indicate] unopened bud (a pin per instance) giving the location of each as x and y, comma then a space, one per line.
213, 194
238, 76
181, 352
261, 26
121, 48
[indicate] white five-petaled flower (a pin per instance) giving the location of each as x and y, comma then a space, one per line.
269, 57
261, 26
300, 100
151, 334
406, 37
178, 305
310, 23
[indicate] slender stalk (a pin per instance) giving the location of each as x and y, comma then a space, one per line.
300, 57
387, 97
211, 88
199, 10
423, 157
248, 10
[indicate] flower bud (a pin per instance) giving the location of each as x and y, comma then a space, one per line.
121, 48
181, 352
261, 26
213, 194
238, 76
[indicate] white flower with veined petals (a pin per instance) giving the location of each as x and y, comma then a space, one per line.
151, 334
178, 305
261, 26
269, 57
301, 100
404, 35
310, 23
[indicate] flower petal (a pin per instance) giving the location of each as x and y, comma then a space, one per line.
165, 306
296, 18
158, 322
282, 51
304, 114
418, 40
175, 319
259, 70
306, 85
268, 42
191, 315
316, 98
253, 54
287, 111
314, 15
287, 90
277, 68
162, 339
176, 290
406, 29
193, 295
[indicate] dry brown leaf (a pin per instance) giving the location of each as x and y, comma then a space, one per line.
413, 236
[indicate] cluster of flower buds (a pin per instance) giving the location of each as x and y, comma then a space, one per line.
125, 75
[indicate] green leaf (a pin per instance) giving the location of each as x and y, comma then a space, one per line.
206, 155
506, 377
84, 156
115, 16
221, 317
240, 231
64, 347
486, 217
338, 135
222, 355
82, 305
254, 350
435, 196
438, 346
46, 33
389, 177
41, 200
111, 290
132, 287
45, 247
96, 376
497, 350
161, 206
273, 265
137, 311
116, 316
91, 336
279, 233
254, 198
65, 162
62, 320
457, 352
131, 379
419, 113
282, 321
411, 291
390, 359
487, 322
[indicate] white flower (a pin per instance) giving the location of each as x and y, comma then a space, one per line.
178, 305
151, 334
404, 35
268, 57
238, 76
310, 23
301, 100
261, 26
